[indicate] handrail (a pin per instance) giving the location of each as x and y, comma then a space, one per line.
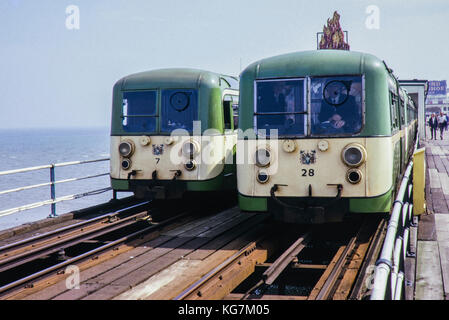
52, 184
390, 265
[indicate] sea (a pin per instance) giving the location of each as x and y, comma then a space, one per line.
23, 148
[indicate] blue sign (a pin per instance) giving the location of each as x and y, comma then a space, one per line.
437, 88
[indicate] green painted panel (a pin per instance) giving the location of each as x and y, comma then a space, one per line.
119, 184
366, 205
252, 204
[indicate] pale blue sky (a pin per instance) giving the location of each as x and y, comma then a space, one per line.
54, 77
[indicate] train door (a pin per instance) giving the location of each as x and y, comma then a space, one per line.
230, 105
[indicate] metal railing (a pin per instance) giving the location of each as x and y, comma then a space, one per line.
390, 267
53, 199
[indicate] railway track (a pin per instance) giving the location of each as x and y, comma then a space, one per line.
233, 255
320, 264
25, 261
33, 248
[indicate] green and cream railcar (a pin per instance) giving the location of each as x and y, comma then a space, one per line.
323, 133
172, 131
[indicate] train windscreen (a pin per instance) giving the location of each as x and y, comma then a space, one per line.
139, 111
280, 107
336, 105
179, 109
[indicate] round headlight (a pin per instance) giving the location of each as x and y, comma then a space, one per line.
189, 148
262, 176
353, 155
263, 157
126, 148
126, 164
354, 176
190, 165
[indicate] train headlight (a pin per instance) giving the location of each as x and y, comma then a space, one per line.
189, 149
126, 164
353, 155
126, 148
354, 175
262, 176
263, 157
190, 165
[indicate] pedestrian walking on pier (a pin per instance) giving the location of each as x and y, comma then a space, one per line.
433, 124
442, 122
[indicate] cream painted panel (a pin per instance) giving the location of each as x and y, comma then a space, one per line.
114, 162
328, 169
245, 172
147, 158
379, 166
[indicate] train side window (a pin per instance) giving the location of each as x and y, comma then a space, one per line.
394, 111
227, 114
235, 113
402, 111
230, 111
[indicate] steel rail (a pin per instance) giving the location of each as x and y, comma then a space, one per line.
336, 271
63, 243
104, 247
273, 272
214, 272
32, 240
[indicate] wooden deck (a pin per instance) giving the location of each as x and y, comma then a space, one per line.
158, 267
432, 260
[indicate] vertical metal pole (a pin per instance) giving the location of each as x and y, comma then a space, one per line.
52, 190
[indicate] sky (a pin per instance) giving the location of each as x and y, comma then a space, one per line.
58, 65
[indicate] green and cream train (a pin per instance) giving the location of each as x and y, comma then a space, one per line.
323, 133
173, 131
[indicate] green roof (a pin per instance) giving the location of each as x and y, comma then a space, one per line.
316, 62
173, 78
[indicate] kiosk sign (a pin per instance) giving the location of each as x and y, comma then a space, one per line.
437, 88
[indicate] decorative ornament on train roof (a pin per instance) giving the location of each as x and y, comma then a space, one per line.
332, 36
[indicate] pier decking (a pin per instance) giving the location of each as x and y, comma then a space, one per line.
432, 252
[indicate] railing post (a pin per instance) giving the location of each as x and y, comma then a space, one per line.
52, 191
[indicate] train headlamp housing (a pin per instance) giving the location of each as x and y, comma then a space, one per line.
190, 165
126, 148
354, 175
262, 176
126, 164
190, 148
353, 155
262, 157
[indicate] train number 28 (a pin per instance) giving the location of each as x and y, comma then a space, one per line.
309, 172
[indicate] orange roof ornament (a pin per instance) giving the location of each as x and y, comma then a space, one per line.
332, 36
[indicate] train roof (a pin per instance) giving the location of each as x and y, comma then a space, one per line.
176, 78
314, 63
